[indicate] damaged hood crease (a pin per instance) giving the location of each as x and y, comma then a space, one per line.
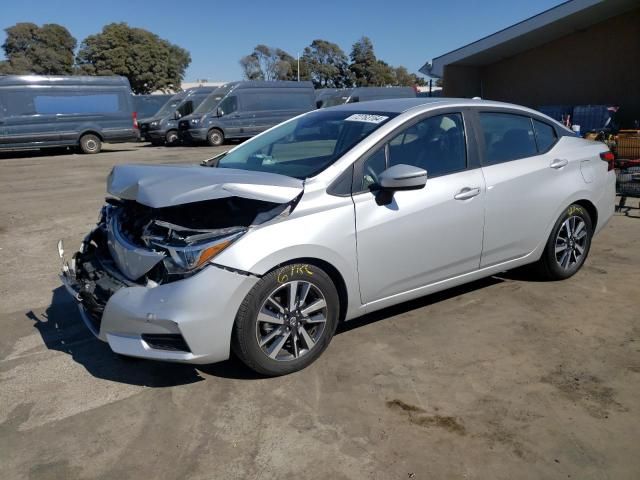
168, 185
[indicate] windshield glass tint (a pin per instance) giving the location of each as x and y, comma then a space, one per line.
171, 106
303, 147
211, 102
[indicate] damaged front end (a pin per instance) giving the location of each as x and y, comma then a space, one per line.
136, 245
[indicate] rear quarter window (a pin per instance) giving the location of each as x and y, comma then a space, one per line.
507, 137
545, 135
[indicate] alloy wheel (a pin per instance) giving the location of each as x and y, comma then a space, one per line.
571, 242
291, 320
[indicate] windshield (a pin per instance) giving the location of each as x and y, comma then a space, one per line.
172, 104
212, 101
305, 146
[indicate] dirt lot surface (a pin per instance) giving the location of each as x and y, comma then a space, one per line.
504, 378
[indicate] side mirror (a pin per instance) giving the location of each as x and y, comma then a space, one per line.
176, 115
402, 177
219, 112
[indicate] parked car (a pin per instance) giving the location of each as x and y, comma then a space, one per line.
162, 128
147, 106
55, 111
244, 109
364, 94
330, 215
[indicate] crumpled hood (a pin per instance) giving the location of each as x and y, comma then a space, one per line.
158, 186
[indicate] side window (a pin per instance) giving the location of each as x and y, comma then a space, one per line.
545, 135
229, 105
186, 108
507, 137
70, 102
435, 144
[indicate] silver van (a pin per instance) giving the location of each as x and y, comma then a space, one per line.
55, 111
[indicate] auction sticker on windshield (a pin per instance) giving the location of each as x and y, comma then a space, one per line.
365, 117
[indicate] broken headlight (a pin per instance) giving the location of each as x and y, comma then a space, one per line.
188, 249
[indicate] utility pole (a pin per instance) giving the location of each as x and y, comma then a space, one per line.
298, 66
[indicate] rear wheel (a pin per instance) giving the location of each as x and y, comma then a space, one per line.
215, 137
90, 143
287, 320
568, 244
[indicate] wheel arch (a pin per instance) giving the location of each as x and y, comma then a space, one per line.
90, 132
591, 210
334, 274
216, 127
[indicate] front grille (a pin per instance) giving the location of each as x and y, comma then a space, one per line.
144, 127
166, 341
183, 125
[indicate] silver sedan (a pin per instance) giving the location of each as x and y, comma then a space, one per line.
266, 248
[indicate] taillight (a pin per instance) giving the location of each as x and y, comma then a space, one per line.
609, 158
135, 119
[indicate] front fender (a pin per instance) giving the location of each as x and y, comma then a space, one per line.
310, 232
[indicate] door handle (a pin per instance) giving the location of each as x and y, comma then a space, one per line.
559, 163
467, 193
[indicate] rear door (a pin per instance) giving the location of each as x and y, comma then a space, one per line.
527, 179
423, 236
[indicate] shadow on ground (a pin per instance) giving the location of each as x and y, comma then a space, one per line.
62, 329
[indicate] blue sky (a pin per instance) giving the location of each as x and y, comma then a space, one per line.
219, 33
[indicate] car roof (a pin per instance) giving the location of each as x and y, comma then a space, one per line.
400, 105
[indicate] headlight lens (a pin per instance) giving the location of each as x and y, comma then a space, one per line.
195, 121
191, 258
154, 124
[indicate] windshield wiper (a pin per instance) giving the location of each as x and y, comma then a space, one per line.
213, 161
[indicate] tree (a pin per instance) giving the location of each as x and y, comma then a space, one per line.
327, 65
406, 79
382, 74
149, 62
46, 50
267, 63
363, 62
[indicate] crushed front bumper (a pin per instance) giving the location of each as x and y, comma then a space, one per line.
196, 314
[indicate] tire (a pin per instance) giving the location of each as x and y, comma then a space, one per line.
90, 144
290, 342
171, 138
567, 232
215, 137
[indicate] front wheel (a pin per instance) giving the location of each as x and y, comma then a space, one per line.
215, 137
171, 138
568, 245
287, 320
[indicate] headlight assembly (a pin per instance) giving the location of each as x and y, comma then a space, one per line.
194, 257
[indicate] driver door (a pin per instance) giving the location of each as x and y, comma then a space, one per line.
422, 236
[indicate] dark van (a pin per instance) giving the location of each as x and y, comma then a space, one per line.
245, 109
38, 111
364, 94
162, 128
